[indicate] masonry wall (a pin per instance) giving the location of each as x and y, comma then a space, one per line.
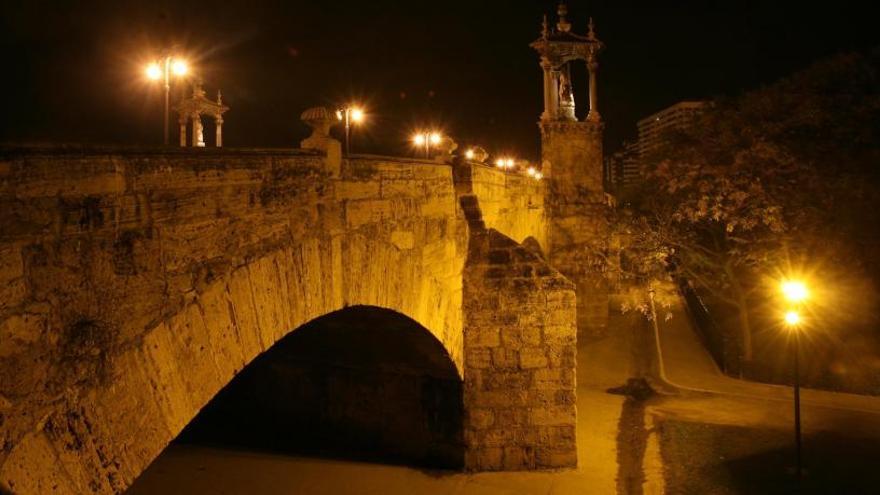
135, 284
520, 358
511, 203
577, 222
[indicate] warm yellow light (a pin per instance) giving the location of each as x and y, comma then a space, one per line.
539, 176
179, 67
531, 171
435, 138
794, 290
792, 318
153, 71
500, 163
357, 115
509, 163
469, 154
418, 139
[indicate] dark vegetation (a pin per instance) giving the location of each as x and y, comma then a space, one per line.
781, 181
726, 460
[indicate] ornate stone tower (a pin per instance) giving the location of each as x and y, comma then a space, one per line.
571, 155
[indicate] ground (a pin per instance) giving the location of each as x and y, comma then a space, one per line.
694, 432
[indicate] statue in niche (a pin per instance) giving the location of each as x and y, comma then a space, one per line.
566, 97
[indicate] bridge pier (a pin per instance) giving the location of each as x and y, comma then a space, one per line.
520, 352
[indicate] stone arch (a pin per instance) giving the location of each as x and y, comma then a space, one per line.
362, 383
108, 434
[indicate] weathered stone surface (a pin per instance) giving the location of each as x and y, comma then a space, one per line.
136, 284
576, 210
508, 374
229, 251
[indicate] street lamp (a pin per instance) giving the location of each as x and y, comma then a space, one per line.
163, 70
350, 115
795, 292
505, 163
426, 140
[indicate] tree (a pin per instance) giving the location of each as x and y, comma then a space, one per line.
760, 177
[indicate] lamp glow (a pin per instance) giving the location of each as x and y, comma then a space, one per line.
435, 138
357, 115
179, 67
153, 71
469, 154
418, 139
794, 290
792, 318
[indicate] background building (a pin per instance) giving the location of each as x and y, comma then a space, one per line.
622, 166
653, 128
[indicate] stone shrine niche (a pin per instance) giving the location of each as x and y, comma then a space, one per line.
192, 109
558, 48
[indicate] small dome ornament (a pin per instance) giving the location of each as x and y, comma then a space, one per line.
320, 119
316, 115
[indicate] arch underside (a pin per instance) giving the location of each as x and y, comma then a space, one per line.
359, 383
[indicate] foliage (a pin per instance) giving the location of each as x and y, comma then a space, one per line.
780, 173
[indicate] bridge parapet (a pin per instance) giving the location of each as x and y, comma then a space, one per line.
511, 203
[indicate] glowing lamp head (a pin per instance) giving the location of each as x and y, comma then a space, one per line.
154, 72
357, 115
531, 171
500, 163
418, 139
469, 154
435, 138
794, 291
508, 163
179, 68
539, 176
792, 318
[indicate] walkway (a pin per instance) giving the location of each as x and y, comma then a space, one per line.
689, 366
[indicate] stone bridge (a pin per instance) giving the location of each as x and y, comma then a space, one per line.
136, 284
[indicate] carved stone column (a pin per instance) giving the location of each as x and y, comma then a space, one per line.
593, 67
548, 84
554, 94
182, 121
219, 132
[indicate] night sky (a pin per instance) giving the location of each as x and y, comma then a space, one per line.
73, 70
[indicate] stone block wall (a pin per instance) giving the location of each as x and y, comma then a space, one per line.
520, 349
571, 155
511, 203
576, 210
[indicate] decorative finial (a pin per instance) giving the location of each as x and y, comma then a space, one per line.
591, 34
197, 88
219, 98
545, 28
563, 25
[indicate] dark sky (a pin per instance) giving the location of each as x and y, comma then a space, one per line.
73, 70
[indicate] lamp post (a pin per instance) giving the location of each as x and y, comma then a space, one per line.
163, 70
425, 140
795, 293
350, 115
